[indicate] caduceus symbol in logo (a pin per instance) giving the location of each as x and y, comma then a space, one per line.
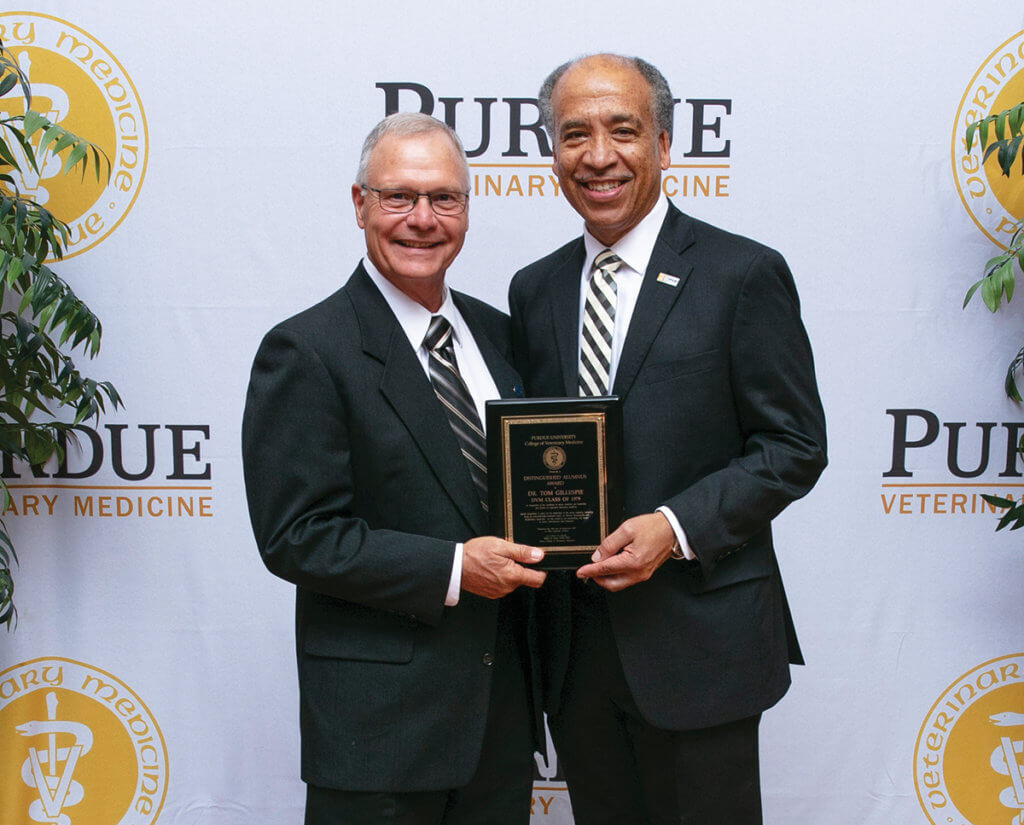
29, 181
50, 769
1005, 760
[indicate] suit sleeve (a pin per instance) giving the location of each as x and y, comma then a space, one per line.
779, 413
297, 447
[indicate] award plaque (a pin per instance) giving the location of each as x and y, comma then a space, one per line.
554, 469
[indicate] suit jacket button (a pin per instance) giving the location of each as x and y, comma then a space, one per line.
488, 659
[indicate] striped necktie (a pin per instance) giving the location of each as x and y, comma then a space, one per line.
598, 324
457, 402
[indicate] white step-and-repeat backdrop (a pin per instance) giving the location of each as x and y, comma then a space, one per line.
149, 632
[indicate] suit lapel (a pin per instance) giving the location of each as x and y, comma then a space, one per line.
506, 379
408, 390
565, 313
672, 257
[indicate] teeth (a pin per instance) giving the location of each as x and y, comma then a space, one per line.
602, 187
417, 244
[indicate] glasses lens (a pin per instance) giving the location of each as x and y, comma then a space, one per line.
448, 203
397, 200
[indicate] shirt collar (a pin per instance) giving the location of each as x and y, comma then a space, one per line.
413, 317
636, 246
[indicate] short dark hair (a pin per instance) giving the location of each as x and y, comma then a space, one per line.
662, 102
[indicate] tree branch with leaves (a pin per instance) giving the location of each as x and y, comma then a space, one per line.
1001, 134
43, 395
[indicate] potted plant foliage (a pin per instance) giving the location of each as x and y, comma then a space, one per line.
43, 396
1001, 134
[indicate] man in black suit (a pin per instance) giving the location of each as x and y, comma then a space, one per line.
662, 653
361, 452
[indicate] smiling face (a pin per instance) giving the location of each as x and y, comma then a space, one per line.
413, 250
608, 152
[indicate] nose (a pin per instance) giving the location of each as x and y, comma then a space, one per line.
422, 214
600, 152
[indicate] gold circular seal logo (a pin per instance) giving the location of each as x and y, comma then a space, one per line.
78, 84
77, 747
969, 756
994, 201
554, 458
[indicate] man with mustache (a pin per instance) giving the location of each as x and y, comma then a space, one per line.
662, 653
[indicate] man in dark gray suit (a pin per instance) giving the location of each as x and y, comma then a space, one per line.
361, 448
662, 653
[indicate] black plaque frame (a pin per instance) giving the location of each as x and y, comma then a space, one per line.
555, 471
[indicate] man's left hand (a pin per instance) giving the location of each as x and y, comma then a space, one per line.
632, 553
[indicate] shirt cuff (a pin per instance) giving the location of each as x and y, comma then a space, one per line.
455, 582
677, 528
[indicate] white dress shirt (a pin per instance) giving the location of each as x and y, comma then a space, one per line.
634, 249
414, 319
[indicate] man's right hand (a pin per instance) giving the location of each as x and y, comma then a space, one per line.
492, 567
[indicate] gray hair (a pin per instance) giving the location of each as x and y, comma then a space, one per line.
407, 124
662, 102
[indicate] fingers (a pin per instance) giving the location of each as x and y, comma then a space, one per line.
524, 554
532, 578
614, 542
616, 573
493, 568
521, 553
631, 553
621, 563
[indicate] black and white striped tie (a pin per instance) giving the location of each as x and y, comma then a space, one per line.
457, 402
598, 324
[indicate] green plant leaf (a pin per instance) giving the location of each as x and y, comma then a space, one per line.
1016, 118
993, 147
8, 82
1003, 277
1010, 382
971, 291
989, 294
51, 132
1013, 517
972, 128
75, 156
1000, 125
39, 447
33, 121
997, 501
993, 263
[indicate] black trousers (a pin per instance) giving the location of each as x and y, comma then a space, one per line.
499, 791
620, 769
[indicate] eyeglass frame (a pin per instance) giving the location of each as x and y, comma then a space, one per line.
428, 195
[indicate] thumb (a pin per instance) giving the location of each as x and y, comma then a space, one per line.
524, 554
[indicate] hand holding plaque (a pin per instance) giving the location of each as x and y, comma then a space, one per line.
555, 474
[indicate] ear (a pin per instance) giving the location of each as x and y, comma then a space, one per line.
664, 150
359, 201
554, 160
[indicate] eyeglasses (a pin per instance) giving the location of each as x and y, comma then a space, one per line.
404, 200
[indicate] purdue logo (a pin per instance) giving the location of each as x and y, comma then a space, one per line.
969, 757
79, 85
77, 747
994, 201
554, 458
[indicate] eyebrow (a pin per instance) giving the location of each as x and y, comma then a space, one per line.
618, 117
